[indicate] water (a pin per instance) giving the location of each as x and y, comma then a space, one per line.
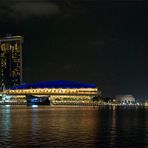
76, 127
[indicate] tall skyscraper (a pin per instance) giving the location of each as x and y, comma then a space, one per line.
11, 61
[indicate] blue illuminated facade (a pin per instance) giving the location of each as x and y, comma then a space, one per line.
55, 84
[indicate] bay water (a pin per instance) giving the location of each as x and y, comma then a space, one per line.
75, 127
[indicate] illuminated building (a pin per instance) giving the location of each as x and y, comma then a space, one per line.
56, 90
125, 98
11, 61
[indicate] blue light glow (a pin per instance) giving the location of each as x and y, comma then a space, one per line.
55, 84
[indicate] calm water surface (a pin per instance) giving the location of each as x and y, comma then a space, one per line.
75, 127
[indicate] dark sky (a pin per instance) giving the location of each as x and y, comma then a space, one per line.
93, 41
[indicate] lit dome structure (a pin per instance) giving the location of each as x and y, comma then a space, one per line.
127, 98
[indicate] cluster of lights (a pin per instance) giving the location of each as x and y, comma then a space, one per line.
11, 60
54, 97
54, 91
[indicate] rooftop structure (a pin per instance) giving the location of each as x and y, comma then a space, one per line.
54, 84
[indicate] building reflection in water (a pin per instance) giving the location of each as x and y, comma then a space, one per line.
5, 126
113, 132
73, 127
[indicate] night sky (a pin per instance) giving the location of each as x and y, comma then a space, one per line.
101, 42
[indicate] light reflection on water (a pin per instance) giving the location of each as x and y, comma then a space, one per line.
73, 127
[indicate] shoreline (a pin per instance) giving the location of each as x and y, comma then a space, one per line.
74, 105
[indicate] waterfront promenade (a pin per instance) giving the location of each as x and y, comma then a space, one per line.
74, 103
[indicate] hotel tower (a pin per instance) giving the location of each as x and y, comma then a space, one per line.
11, 61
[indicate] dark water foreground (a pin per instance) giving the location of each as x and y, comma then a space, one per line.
76, 127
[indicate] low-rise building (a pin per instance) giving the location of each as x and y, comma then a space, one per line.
127, 98
56, 90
